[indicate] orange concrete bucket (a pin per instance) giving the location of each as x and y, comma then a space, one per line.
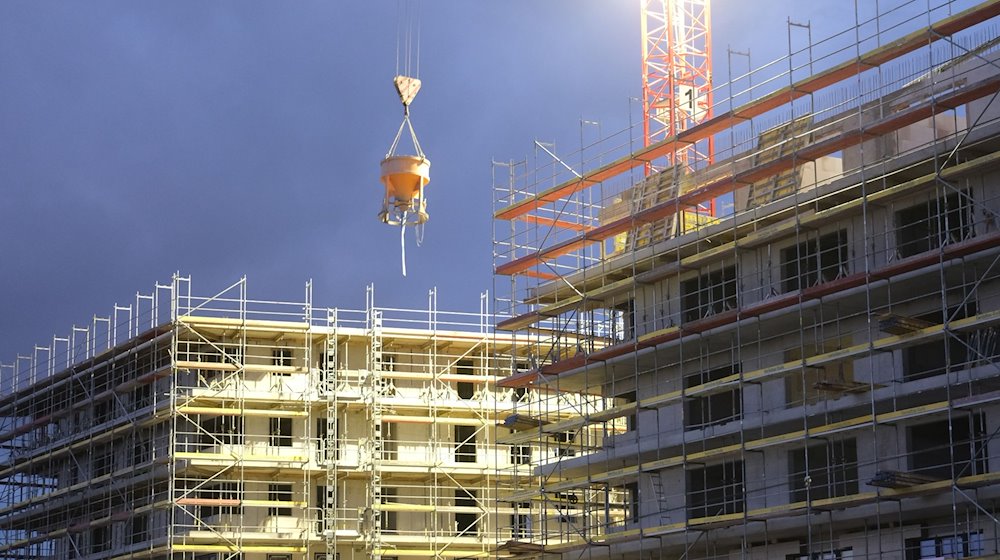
404, 178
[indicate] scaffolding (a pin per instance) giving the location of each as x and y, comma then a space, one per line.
223, 427
812, 374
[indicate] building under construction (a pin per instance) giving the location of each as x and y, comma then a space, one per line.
224, 427
811, 373
773, 334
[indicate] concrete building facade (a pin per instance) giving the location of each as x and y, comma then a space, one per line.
814, 374
223, 427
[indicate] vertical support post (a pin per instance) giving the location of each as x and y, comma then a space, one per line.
372, 458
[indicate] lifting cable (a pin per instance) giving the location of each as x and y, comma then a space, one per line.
407, 73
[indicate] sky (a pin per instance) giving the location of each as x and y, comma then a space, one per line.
229, 138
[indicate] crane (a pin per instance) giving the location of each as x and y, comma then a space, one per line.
677, 76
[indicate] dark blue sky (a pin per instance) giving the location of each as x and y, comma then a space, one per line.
227, 138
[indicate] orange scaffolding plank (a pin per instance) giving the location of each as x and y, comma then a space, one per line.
542, 275
542, 220
702, 131
732, 181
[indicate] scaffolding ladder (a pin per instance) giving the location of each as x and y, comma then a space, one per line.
330, 443
659, 497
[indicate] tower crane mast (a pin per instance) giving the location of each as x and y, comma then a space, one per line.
677, 74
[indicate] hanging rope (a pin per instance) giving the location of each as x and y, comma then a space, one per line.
406, 124
402, 242
408, 33
416, 58
399, 27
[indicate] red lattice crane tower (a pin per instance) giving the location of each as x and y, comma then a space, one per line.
677, 74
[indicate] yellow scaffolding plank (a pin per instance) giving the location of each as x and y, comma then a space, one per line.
440, 420
273, 503
396, 506
450, 552
231, 367
229, 457
242, 324
219, 411
184, 547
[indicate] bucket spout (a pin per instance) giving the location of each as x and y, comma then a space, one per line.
404, 178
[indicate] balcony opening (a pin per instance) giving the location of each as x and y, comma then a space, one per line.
709, 294
465, 444
138, 528
100, 538
630, 420
714, 409
814, 261
715, 490
325, 500
465, 390
933, 224
389, 519
466, 523
623, 321
948, 354
632, 502
832, 470
279, 493
280, 432
520, 521
934, 447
